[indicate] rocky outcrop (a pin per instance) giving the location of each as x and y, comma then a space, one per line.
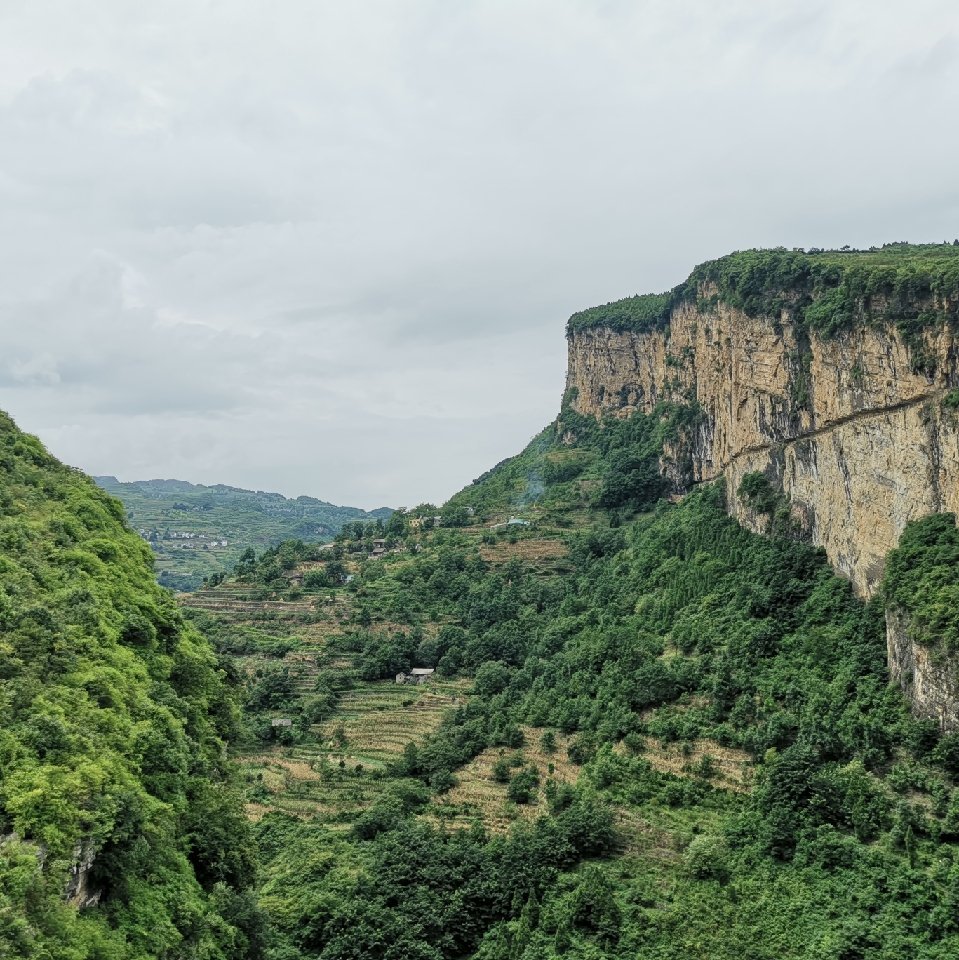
79, 890
857, 430
927, 676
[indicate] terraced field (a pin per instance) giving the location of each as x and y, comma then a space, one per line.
343, 771
478, 796
239, 602
379, 719
541, 553
723, 767
338, 767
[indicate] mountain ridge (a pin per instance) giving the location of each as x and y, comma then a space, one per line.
108, 480
198, 530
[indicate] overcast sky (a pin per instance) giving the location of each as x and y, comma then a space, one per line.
330, 247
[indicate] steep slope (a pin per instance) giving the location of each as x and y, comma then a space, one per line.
121, 837
197, 531
831, 374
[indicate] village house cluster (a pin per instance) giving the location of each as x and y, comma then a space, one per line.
184, 538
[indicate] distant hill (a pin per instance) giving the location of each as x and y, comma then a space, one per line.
196, 530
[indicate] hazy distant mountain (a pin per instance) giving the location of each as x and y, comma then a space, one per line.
196, 530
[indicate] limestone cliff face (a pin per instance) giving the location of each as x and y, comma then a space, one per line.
854, 434
927, 676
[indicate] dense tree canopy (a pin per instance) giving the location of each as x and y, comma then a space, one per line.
112, 759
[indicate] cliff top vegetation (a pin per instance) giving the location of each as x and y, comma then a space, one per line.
910, 285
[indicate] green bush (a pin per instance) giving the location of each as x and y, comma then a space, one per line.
522, 787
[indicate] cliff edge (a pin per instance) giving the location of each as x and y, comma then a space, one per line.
832, 375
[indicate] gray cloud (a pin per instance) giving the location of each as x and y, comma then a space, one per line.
329, 248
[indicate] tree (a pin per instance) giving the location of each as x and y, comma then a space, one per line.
522, 788
593, 905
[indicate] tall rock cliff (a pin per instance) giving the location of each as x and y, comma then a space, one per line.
843, 398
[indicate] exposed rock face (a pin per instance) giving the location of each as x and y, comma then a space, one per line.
856, 436
79, 892
858, 441
926, 675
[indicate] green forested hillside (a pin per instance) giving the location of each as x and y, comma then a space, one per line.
197, 531
679, 737
120, 832
578, 471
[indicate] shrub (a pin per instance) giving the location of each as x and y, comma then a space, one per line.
522, 788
